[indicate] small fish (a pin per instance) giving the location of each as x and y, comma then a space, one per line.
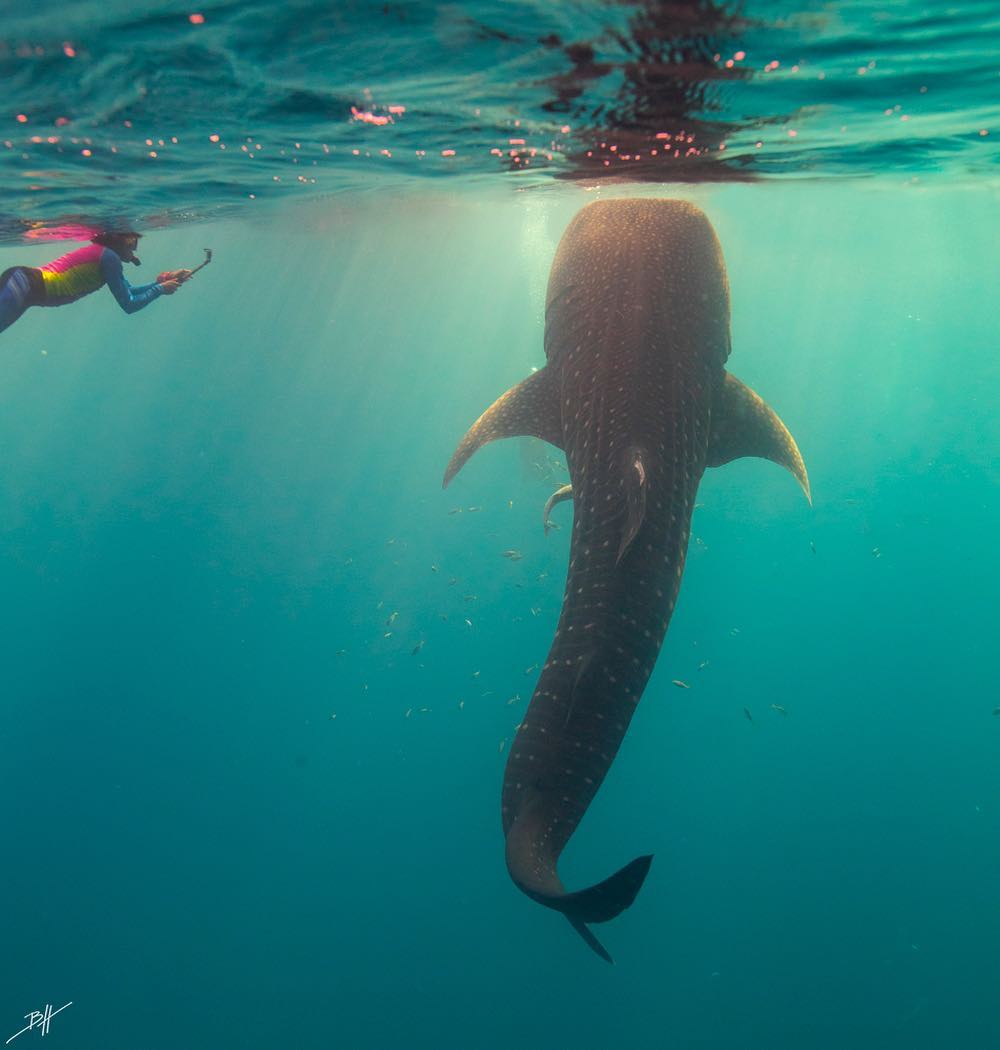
476, 674
461, 705
513, 554
332, 717
434, 568
812, 546
876, 553
514, 699
503, 744
542, 576
455, 510
468, 622
453, 581
409, 711
392, 619
747, 713
388, 634
735, 631
680, 685
510, 504
470, 597
340, 652
417, 647
536, 610
702, 665
533, 667
472, 510
779, 709
424, 710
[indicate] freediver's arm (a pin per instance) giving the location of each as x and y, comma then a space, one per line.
129, 298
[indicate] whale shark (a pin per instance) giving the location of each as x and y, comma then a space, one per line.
636, 394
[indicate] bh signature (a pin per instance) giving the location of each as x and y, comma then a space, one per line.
38, 1019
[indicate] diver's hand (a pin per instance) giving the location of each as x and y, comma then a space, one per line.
180, 276
169, 287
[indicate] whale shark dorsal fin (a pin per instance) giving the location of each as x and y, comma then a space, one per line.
744, 424
635, 500
530, 409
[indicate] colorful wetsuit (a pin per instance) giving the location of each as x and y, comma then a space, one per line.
17, 291
68, 278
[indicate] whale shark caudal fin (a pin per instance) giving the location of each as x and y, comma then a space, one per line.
534, 873
603, 902
590, 940
744, 424
608, 899
530, 409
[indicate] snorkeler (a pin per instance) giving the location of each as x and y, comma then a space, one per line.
80, 272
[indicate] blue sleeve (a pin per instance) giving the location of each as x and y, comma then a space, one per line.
129, 298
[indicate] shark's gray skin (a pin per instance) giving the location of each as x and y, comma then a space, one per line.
636, 394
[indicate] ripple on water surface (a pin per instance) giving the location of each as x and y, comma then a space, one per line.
165, 115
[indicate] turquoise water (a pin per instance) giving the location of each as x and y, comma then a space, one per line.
223, 525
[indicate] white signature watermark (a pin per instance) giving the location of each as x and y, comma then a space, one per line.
38, 1019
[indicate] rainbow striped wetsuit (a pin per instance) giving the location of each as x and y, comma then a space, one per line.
68, 278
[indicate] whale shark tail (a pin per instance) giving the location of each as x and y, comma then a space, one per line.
604, 901
608, 899
598, 903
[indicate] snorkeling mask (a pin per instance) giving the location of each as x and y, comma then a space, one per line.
122, 243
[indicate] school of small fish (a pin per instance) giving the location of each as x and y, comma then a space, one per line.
421, 639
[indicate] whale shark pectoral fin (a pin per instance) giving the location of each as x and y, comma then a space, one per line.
635, 500
564, 493
744, 424
530, 409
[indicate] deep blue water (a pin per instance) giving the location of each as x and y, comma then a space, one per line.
212, 510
